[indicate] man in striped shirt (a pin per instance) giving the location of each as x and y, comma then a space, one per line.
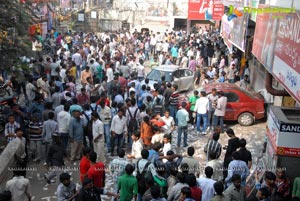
10, 128
214, 146
35, 130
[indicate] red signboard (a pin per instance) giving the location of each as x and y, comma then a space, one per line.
287, 151
277, 46
286, 66
205, 10
288, 38
218, 10
264, 40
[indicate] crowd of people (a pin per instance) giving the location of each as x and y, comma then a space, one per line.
85, 99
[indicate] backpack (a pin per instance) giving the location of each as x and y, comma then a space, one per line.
88, 130
133, 124
142, 177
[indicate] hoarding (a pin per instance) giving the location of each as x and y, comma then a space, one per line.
239, 32
265, 39
286, 67
226, 28
205, 10
180, 8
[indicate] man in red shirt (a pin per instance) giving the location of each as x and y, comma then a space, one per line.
96, 171
84, 165
83, 98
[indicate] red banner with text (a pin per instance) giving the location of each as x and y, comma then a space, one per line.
276, 45
205, 10
286, 65
262, 40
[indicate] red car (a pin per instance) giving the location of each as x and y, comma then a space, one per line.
242, 106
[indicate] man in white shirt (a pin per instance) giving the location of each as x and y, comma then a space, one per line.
98, 136
137, 146
19, 187
169, 123
220, 111
141, 70
158, 47
54, 66
184, 61
110, 78
78, 61
201, 107
166, 47
152, 43
118, 130
63, 122
207, 184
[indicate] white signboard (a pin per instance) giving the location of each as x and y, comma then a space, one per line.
93, 14
81, 17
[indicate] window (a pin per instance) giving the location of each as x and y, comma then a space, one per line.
155, 75
231, 97
188, 73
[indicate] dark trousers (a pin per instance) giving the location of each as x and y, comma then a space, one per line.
118, 140
65, 140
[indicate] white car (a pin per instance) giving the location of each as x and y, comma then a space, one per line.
182, 77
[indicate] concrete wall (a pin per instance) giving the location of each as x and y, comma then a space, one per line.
7, 160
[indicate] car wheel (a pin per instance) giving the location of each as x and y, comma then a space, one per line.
246, 119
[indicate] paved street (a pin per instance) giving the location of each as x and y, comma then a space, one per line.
253, 134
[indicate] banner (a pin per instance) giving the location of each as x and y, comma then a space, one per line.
205, 10
180, 8
286, 67
265, 40
226, 27
156, 9
239, 31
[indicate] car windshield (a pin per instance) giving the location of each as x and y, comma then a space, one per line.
155, 75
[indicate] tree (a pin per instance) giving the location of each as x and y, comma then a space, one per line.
15, 18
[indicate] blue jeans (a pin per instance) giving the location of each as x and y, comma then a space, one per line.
180, 130
65, 140
107, 136
109, 91
231, 81
129, 139
216, 120
210, 118
204, 117
118, 140
173, 111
